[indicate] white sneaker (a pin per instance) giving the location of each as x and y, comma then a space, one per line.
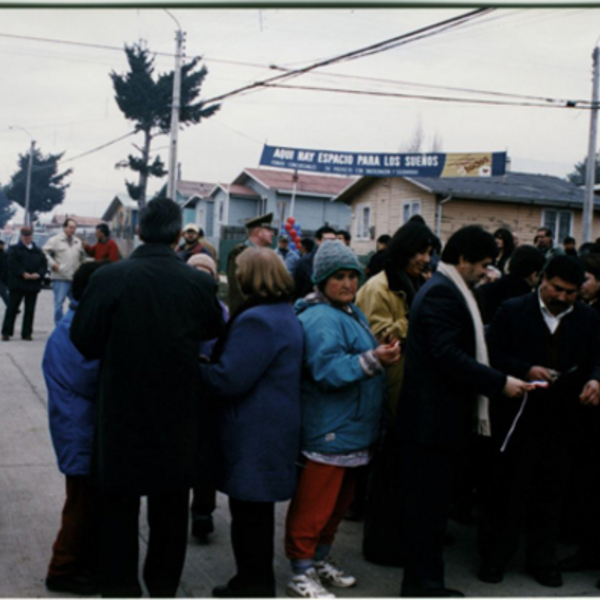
330, 573
307, 585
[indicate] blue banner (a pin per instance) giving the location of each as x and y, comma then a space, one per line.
367, 164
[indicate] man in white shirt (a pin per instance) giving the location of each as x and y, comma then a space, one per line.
65, 253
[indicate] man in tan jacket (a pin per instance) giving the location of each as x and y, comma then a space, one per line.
65, 253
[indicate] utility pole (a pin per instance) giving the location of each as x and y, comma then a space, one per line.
293, 202
175, 109
590, 171
26, 220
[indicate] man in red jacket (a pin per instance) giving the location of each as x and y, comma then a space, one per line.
105, 249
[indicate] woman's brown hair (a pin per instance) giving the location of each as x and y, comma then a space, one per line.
260, 272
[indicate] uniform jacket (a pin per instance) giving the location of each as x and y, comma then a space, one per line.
341, 404
492, 295
442, 378
518, 338
22, 259
72, 383
144, 318
67, 256
256, 383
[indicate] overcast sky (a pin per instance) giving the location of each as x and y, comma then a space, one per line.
63, 96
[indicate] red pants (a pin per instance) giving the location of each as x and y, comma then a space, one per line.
75, 543
323, 496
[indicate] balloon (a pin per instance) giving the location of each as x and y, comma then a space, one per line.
291, 220
287, 227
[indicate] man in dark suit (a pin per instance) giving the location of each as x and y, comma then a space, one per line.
26, 267
144, 318
304, 269
551, 338
439, 406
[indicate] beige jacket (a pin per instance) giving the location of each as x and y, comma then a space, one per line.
387, 313
68, 256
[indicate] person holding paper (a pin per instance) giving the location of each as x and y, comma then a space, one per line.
545, 336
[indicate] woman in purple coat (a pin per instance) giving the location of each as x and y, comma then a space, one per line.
255, 374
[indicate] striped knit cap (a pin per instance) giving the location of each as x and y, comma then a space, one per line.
332, 256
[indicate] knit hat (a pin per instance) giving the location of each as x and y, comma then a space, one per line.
332, 256
204, 262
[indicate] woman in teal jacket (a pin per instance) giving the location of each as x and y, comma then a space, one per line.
341, 398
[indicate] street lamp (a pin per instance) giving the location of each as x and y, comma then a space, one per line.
29, 166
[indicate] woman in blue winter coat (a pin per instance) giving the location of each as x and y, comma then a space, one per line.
342, 397
255, 376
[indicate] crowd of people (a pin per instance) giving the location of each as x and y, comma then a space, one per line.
461, 380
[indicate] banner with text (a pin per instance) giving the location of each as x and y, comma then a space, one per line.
367, 164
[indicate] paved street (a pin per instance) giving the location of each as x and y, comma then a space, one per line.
31, 495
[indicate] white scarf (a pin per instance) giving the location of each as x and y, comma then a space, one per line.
482, 413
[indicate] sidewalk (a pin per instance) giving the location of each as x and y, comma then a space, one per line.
31, 497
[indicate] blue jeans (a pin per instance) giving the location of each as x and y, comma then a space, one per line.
61, 289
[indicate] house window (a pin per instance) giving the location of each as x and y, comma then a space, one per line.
410, 208
363, 222
221, 211
560, 222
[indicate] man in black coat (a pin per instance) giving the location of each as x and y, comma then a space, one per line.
27, 266
547, 337
525, 266
144, 318
303, 283
3, 273
439, 407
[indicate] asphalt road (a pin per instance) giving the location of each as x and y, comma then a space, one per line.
32, 493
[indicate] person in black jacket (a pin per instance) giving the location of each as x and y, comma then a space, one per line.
443, 399
304, 269
27, 266
144, 318
547, 337
3, 273
523, 275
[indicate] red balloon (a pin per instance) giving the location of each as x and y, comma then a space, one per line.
291, 220
287, 227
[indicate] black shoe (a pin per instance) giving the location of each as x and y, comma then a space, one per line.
490, 574
411, 591
201, 527
547, 576
229, 590
578, 562
81, 585
27, 338
5, 338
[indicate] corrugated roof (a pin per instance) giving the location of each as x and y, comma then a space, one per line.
239, 190
195, 188
81, 221
528, 188
328, 185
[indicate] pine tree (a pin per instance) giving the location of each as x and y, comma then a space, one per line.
577, 176
146, 100
6, 209
48, 187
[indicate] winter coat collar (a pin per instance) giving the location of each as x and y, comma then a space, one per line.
150, 249
400, 283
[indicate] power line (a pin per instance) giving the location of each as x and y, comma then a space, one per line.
100, 147
567, 104
366, 51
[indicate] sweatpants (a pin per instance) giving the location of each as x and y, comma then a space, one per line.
322, 498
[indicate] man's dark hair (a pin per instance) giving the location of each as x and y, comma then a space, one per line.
200, 232
591, 264
417, 219
546, 231
567, 268
412, 238
569, 240
103, 227
307, 244
345, 234
472, 242
322, 230
66, 221
384, 239
160, 221
82, 277
590, 247
526, 260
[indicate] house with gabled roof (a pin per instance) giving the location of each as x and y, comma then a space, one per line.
520, 201
257, 190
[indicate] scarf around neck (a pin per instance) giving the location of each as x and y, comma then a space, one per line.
482, 413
